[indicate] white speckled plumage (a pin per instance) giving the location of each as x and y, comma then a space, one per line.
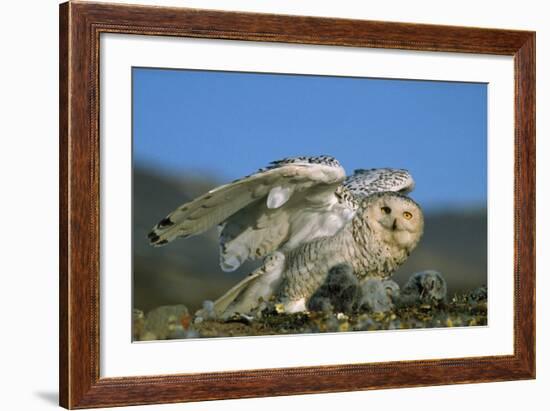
374, 244
302, 216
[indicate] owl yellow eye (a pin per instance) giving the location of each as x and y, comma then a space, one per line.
386, 210
407, 215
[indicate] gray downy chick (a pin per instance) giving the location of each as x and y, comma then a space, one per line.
426, 286
339, 293
378, 295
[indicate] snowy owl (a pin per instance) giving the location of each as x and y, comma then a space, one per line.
302, 216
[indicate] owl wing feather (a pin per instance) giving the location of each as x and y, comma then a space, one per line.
257, 230
258, 211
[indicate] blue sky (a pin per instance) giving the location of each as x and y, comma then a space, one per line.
228, 124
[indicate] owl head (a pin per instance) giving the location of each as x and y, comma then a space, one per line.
395, 219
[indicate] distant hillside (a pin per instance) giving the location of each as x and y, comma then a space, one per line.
187, 271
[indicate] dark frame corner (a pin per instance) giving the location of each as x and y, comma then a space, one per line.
80, 27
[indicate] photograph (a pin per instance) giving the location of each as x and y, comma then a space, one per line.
273, 203
277, 203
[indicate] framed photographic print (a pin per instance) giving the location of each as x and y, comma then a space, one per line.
256, 205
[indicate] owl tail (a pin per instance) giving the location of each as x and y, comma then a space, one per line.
261, 283
221, 304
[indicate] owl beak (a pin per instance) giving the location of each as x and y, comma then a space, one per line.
394, 225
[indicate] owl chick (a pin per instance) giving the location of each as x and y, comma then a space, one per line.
426, 286
378, 295
342, 292
339, 293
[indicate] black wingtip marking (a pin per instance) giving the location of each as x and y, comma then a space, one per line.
165, 222
153, 238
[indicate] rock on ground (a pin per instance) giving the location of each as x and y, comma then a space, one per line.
175, 322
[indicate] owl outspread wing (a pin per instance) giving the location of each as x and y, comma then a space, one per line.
290, 201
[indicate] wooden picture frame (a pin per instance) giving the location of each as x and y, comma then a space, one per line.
80, 27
